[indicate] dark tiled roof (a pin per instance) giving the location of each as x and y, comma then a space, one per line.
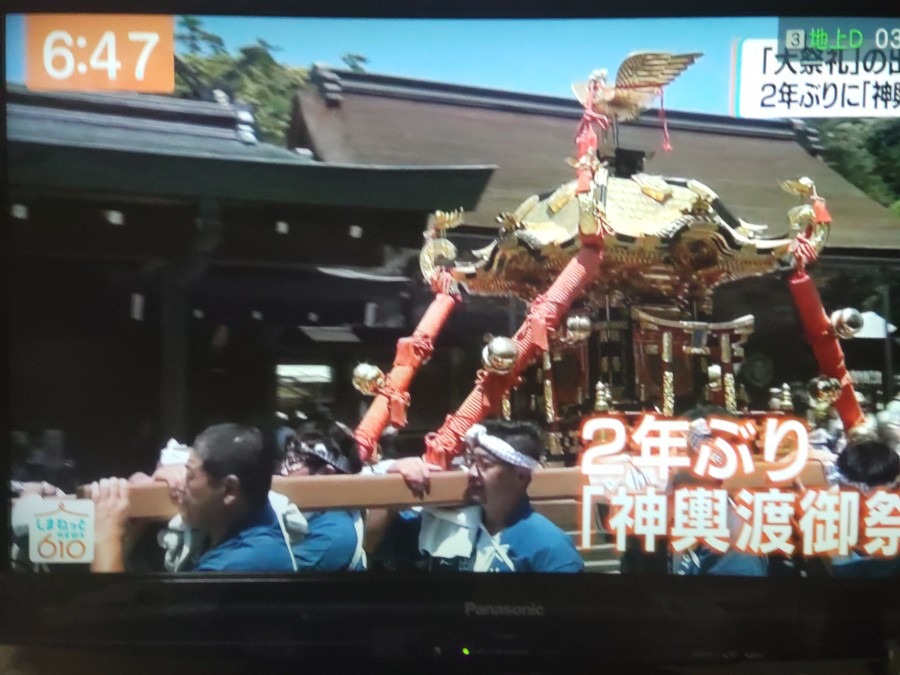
130, 104
368, 118
131, 134
159, 145
137, 123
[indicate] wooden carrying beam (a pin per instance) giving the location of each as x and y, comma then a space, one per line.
357, 492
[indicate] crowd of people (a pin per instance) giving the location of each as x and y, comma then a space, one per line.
865, 461
230, 520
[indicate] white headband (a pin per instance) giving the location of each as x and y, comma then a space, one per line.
478, 437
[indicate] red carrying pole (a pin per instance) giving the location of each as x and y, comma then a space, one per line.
825, 345
544, 315
531, 339
392, 399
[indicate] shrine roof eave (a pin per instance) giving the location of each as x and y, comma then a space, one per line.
35, 165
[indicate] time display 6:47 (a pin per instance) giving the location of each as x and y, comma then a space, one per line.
97, 52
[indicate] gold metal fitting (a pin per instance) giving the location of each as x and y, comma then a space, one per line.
602, 397
803, 187
847, 322
667, 347
786, 403
801, 216
367, 379
445, 220
499, 355
578, 327
825, 390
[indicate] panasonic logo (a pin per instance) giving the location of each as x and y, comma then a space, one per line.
472, 608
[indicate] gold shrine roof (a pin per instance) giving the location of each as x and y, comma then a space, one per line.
670, 244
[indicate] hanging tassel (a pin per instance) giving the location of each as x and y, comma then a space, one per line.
666, 146
586, 138
822, 215
586, 144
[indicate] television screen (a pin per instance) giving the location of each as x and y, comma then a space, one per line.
300, 298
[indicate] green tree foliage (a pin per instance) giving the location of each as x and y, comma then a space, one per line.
251, 76
884, 146
867, 153
195, 39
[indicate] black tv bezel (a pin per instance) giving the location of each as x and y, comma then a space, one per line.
651, 619
525, 617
